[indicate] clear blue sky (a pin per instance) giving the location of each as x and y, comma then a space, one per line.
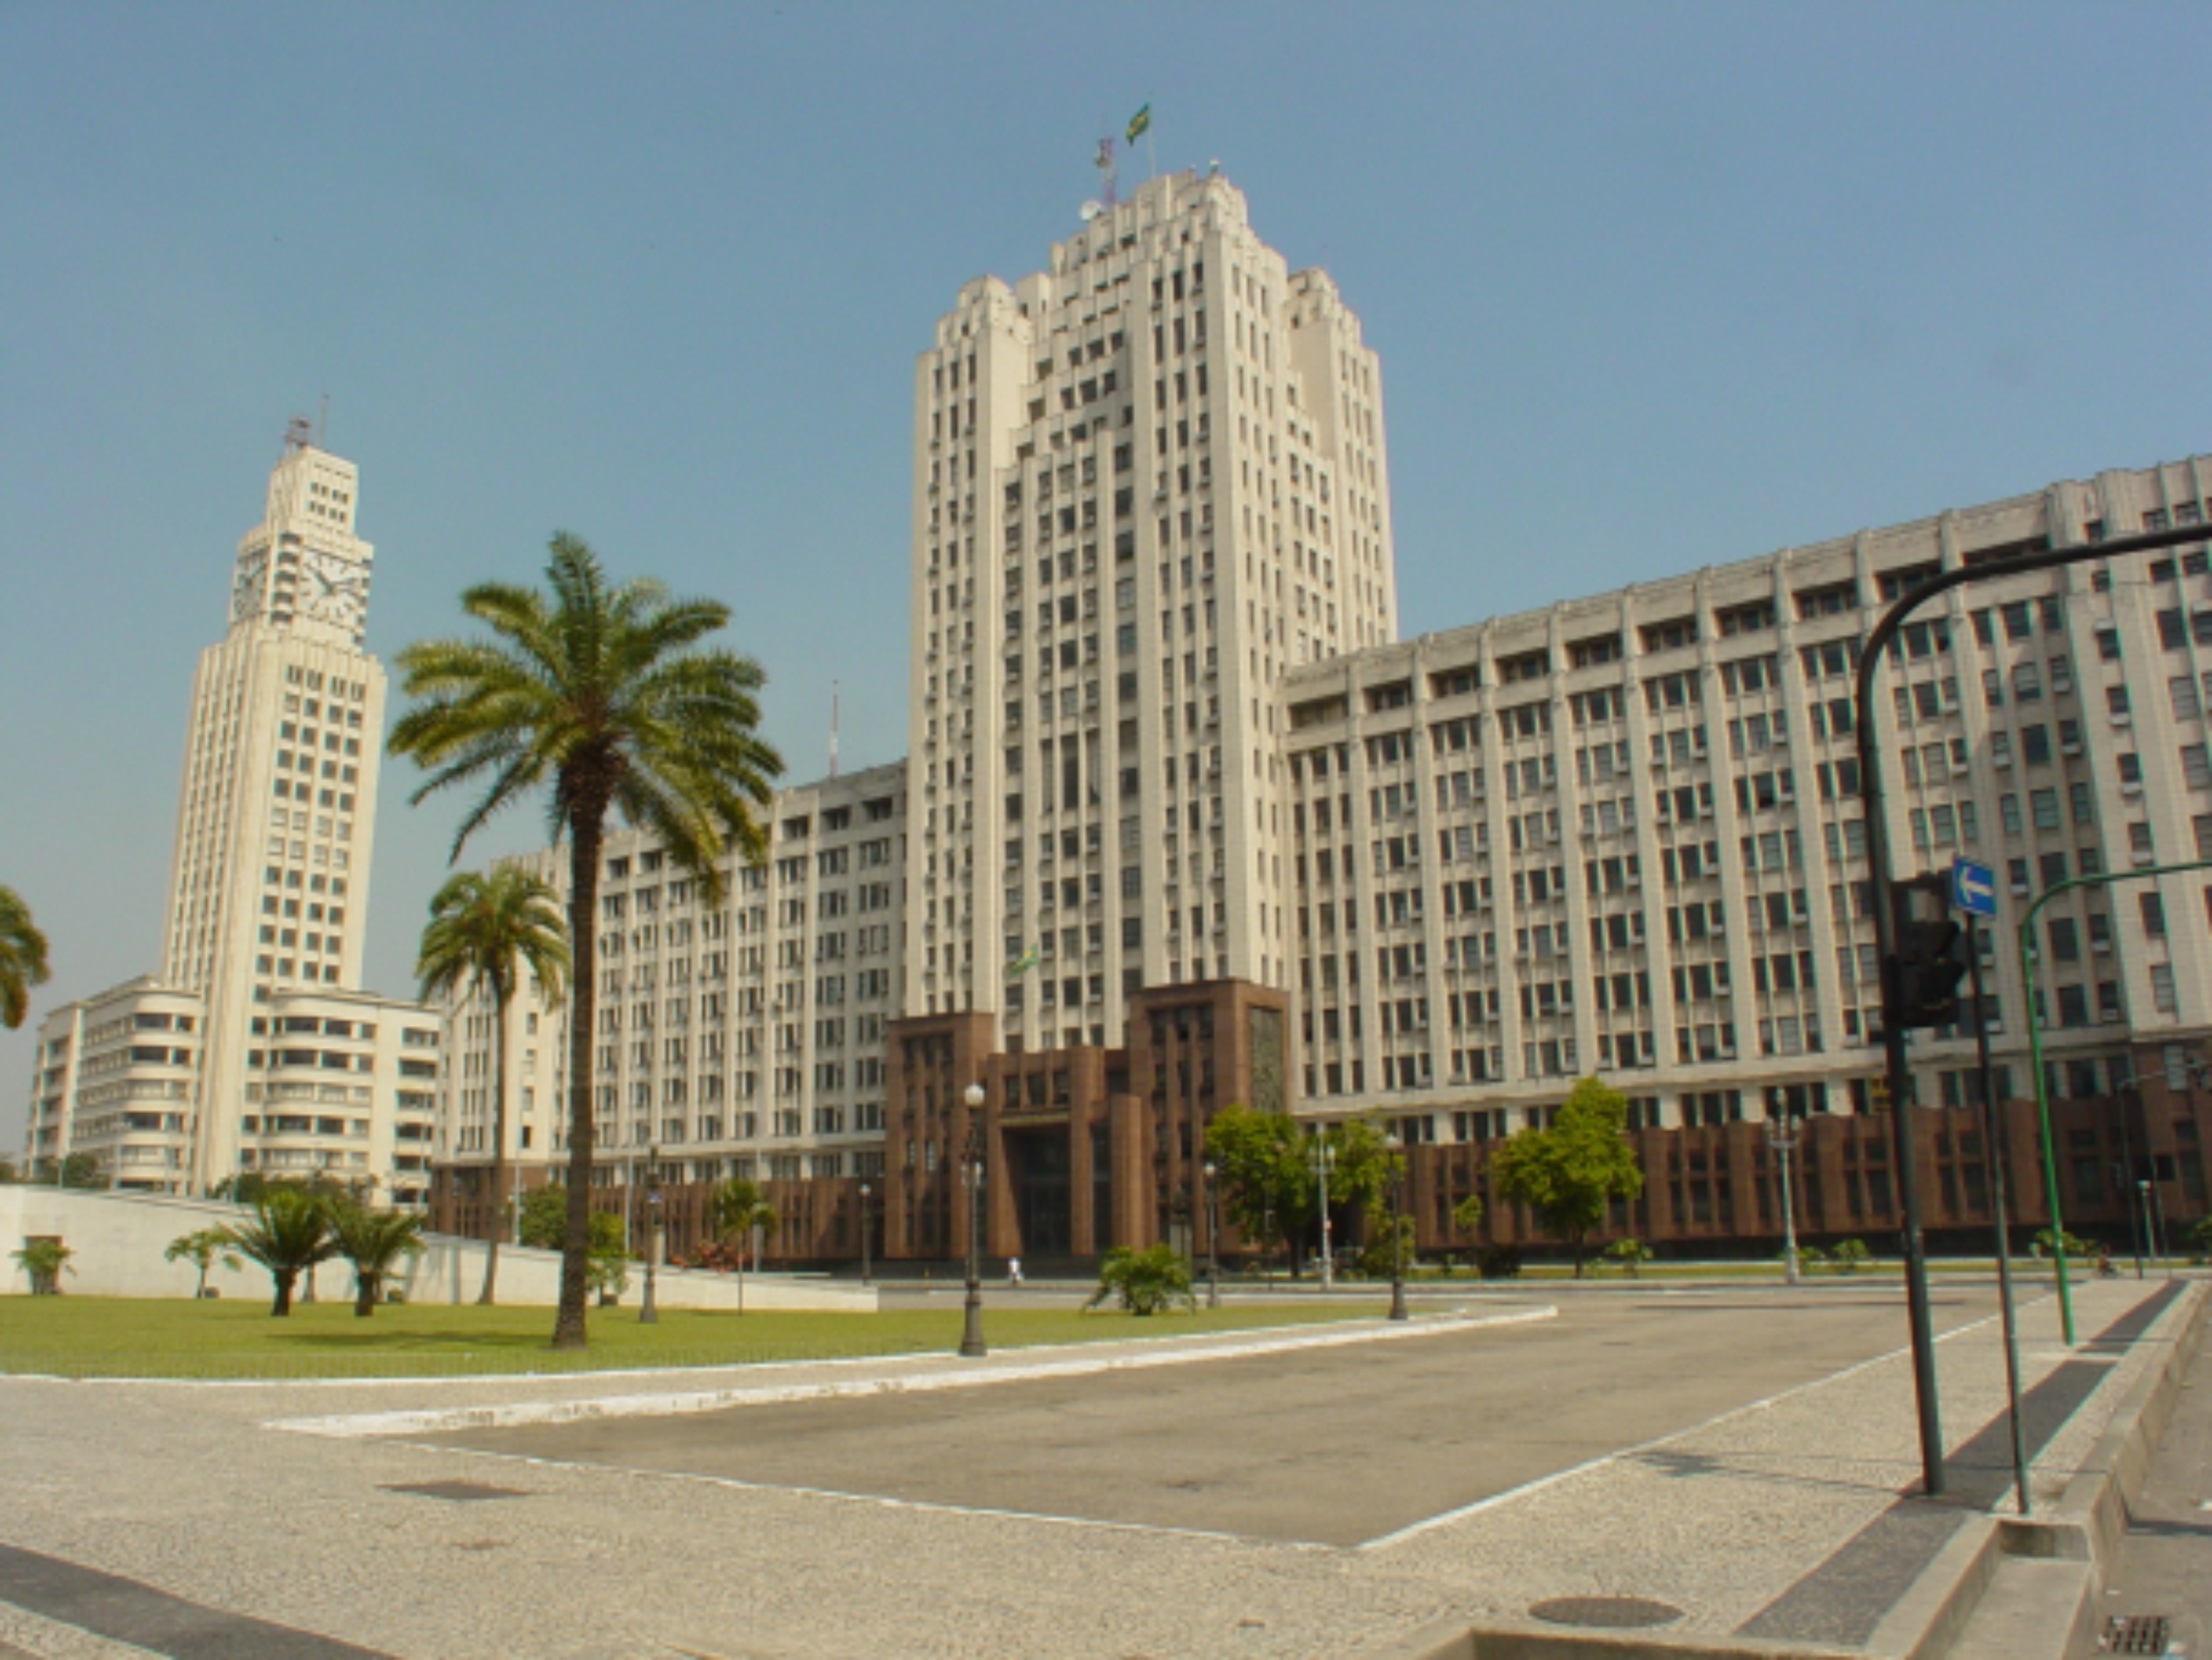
1654, 286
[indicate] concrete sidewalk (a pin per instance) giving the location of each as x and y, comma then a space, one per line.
1780, 1527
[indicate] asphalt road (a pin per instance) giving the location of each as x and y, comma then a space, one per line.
1330, 1446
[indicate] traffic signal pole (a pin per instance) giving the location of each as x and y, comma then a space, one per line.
1874, 812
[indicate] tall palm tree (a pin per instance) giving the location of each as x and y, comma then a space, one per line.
23, 958
373, 1241
290, 1234
483, 929
598, 692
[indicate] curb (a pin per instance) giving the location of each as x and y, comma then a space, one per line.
515, 1414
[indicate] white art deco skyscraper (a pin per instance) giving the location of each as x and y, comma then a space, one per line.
1148, 479
253, 1049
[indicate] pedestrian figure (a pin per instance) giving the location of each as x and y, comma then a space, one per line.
1014, 1271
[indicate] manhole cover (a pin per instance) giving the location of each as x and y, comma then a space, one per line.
458, 1492
1617, 1613
2135, 1633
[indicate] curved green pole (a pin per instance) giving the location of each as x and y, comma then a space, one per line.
2035, 1052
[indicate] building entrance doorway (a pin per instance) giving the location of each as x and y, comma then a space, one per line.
1038, 1159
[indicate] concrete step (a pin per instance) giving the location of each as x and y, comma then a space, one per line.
2032, 1609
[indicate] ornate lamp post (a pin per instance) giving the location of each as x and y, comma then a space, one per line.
866, 1219
1397, 1226
1213, 1234
649, 1312
1783, 1140
971, 1170
1324, 1156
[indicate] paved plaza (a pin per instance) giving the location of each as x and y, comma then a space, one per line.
1732, 1459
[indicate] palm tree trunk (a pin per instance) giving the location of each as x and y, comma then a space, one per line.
364, 1295
283, 1305
587, 823
500, 995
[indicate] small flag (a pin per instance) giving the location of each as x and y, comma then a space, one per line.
1021, 966
1139, 123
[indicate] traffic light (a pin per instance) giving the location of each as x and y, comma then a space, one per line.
1933, 955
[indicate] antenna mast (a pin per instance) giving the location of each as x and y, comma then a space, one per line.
1104, 163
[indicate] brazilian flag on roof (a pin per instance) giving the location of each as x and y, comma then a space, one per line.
1140, 123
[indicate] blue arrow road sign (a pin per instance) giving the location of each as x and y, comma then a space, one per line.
1973, 888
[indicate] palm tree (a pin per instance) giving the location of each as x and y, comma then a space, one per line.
597, 693
739, 1208
203, 1248
23, 958
290, 1234
373, 1241
480, 927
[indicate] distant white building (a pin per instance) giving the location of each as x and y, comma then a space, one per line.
179, 1081
745, 1039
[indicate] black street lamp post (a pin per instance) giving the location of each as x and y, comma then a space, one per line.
1213, 1235
1397, 1226
972, 1346
866, 1264
649, 1312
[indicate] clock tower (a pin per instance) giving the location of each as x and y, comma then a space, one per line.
269, 889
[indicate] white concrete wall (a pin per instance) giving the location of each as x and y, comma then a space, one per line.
118, 1239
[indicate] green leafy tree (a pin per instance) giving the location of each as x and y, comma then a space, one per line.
1267, 1165
1850, 1256
9, 1174
485, 933
1570, 1173
1466, 1222
43, 1260
545, 1217
1379, 1258
203, 1249
2200, 1239
374, 1241
290, 1234
1631, 1254
599, 694
83, 1171
1143, 1281
23, 958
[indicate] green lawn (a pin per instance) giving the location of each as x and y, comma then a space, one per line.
116, 1337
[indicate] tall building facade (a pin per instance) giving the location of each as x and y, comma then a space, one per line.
1148, 479
745, 1039
1622, 835
268, 896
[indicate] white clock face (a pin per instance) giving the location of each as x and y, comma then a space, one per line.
246, 585
333, 590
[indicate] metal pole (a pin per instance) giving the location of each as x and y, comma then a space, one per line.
649, 1313
1397, 1232
2144, 874
2130, 1191
1784, 1145
2157, 1224
865, 1264
971, 1345
1321, 1155
1213, 1230
1997, 1146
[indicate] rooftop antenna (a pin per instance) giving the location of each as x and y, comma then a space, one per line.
298, 432
833, 729
1104, 162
